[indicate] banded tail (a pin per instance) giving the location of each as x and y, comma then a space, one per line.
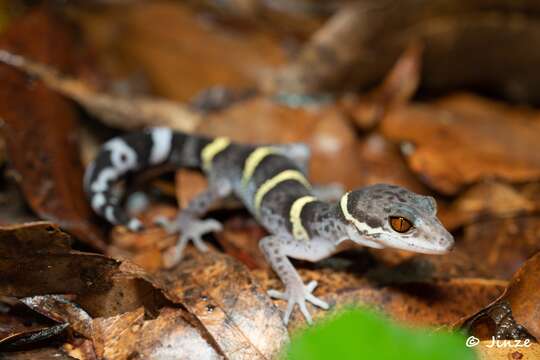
132, 152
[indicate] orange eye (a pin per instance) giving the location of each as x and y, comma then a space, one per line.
400, 224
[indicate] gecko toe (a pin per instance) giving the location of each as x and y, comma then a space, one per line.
317, 302
275, 294
311, 286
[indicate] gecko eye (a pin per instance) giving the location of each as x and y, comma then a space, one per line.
400, 224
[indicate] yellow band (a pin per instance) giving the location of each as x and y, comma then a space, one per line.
276, 180
298, 230
358, 224
211, 150
253, 160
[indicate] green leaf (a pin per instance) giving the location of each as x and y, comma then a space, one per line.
363, 334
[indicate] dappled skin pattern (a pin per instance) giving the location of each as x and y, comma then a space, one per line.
272, 184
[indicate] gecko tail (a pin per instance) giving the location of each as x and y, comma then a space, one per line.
133, 152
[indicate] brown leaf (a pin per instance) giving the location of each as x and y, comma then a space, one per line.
28, 337
380, 161
169, 335
524, 297
112, 335
467, 44
420, 268
220, 293
116, 111
196, 49
485, 200
240, 238
518, 305
22, 327
33, 238
36, 260
44, 353
144, 248
60, 309
463, 139
40, 129
397, 88
502, 244
432, 303
486, 351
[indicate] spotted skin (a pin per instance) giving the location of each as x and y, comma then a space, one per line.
271, 182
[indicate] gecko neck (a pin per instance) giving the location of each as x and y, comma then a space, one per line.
328, 222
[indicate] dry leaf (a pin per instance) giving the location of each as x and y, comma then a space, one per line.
40, 129
60, 309
234, 311
463, 139
502, 244
485, 200
187, 54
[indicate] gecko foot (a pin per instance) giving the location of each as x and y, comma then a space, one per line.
299, 295
190, 229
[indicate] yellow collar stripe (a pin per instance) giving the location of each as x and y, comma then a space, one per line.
298, 230
253, 160
211, 150
344, 209
276, 180
363, 227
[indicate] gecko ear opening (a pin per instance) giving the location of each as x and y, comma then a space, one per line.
400, 224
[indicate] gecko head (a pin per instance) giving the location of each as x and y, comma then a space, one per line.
385, 215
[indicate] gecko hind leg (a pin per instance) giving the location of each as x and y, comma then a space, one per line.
189, 224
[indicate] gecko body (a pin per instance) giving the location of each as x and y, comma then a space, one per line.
271, 182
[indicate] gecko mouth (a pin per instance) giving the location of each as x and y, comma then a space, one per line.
424, 249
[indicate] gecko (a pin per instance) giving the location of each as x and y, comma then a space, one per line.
271, 182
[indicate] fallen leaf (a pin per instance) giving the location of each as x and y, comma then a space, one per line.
44, 353
40, 129
36, 260
60, 309
188, 46
380, 161
167, 336
523, 296
489, 199
486, 351
517, 306
502, 244
234, 311
28, 337
463, 139
240, 238
116, 111
467, 45
397, 88
433, 303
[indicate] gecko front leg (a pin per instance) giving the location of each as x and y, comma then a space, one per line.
189, 224
274, 249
